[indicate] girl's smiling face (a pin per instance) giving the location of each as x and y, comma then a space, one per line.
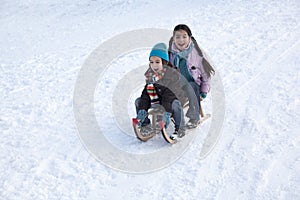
181, 39
156, 63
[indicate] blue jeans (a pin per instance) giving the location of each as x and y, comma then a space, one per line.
177, 113
192, 91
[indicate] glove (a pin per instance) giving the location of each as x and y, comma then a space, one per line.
203, 95
141, 116
166, 119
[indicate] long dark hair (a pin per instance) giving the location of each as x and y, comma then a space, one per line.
209, 70
164, 62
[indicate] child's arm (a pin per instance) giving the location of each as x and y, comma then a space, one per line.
205, 83
167, 98
145, 101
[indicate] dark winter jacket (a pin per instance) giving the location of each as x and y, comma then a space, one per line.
168, 89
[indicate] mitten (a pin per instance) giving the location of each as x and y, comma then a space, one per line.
141, 116
203, 94
166, 119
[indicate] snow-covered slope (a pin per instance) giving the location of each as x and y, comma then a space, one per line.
254, 46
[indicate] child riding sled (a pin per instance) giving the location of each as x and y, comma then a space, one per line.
186, 55
162, 88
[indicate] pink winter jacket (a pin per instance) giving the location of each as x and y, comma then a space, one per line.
196, 69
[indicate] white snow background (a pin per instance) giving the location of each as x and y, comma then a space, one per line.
253, 44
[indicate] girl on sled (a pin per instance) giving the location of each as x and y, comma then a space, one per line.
186, 55
162, 87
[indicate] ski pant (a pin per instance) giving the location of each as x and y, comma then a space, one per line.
192, 91
177, 113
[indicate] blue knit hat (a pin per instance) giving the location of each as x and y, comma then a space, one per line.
160, 50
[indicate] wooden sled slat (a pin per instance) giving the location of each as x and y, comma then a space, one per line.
138, 133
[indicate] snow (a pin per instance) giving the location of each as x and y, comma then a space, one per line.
254, 46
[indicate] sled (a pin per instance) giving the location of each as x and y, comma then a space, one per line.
157, 126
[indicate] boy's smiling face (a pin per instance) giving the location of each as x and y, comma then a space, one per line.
181, 39
156, 63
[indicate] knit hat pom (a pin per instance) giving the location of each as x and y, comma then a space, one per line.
160, 50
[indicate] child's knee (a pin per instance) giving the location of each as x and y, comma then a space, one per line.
176, 105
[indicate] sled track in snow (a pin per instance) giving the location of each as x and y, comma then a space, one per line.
267, 59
